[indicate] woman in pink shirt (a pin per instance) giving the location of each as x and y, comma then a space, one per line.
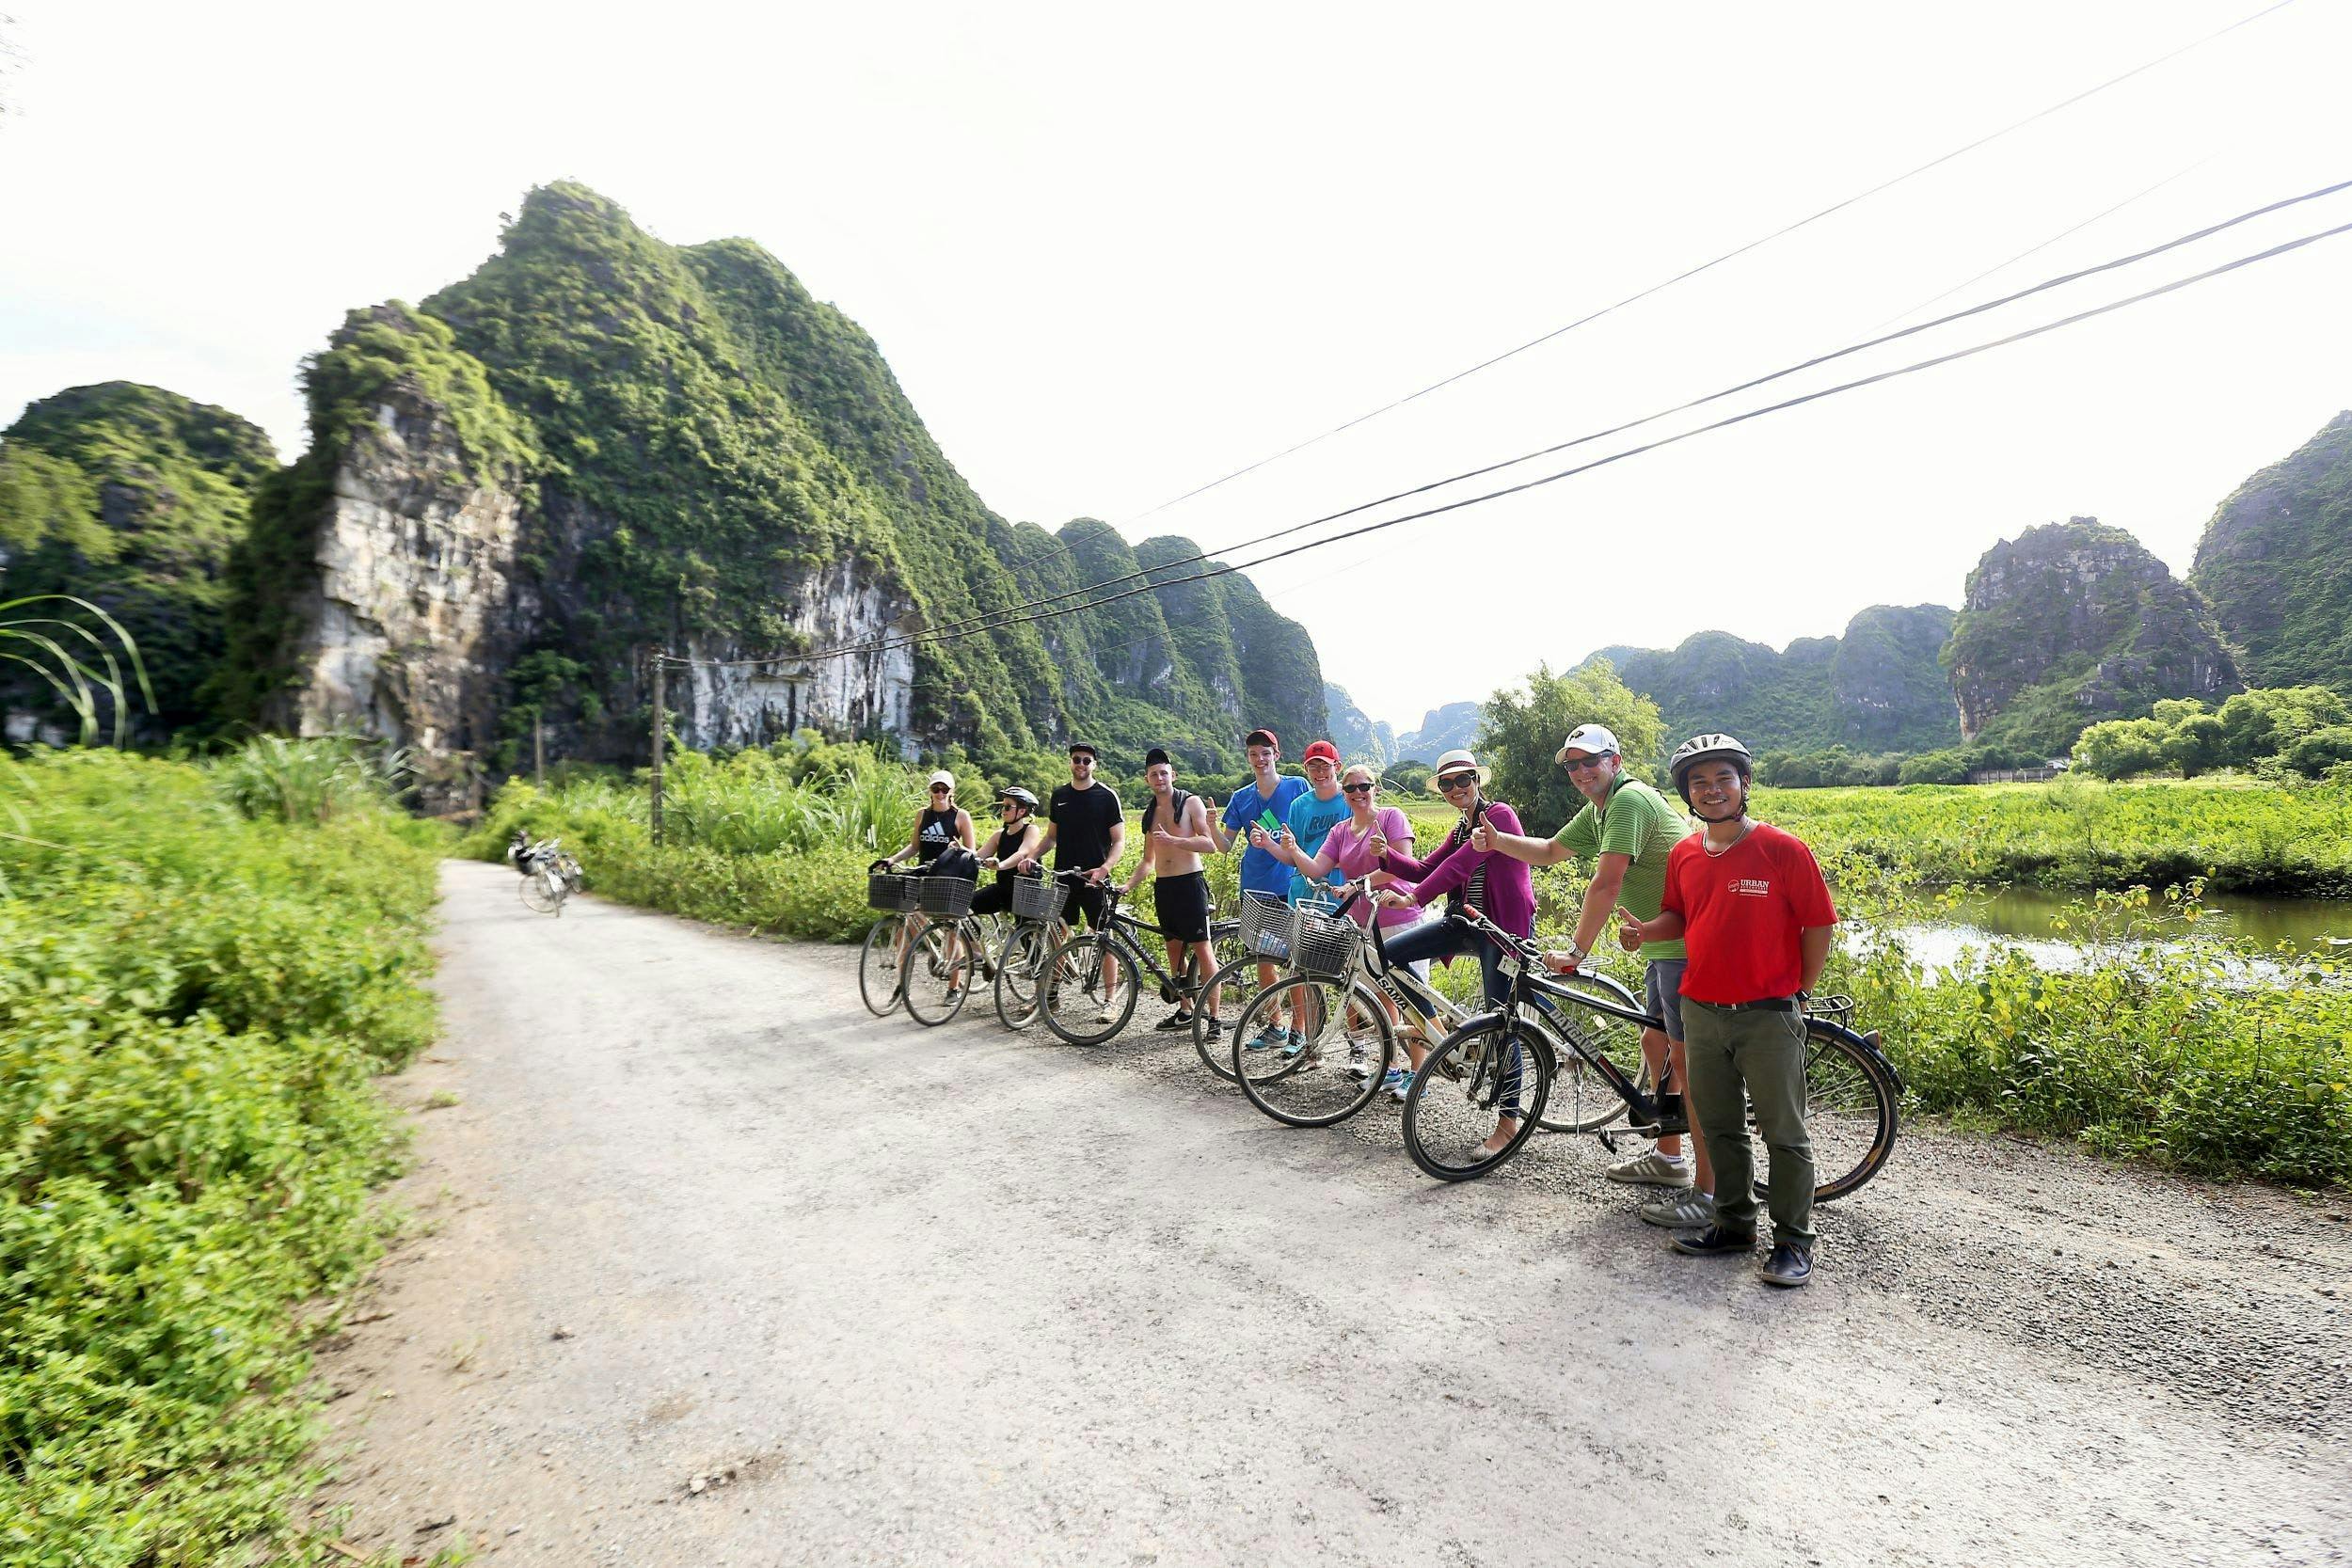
1347, 850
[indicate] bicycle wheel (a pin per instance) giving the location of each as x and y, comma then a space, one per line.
1504, 1073
880, 972
1017, 970
539, 896
1312, 1052
1083, 1004
1583, 1100
1852, 1107
939, 975
1225, 999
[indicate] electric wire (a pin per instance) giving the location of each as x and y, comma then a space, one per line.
1013, 615
1727, 256
1222, 569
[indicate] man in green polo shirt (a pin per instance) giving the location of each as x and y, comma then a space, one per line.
1626, 830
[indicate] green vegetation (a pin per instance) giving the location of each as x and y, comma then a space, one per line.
1877, 688
2274, 565
130, 499
192, 1007
2072, 623
1520, 738
2077, 833
2274, 731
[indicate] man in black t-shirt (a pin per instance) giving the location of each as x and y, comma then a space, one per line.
1086, 830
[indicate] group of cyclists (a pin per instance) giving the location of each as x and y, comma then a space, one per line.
1733, 922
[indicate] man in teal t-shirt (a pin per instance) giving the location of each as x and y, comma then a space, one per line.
1626, 830
1314, 814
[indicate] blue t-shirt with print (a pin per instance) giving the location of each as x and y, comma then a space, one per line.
1259, 871
1312, 821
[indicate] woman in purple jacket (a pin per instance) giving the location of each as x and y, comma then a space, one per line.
1490, 882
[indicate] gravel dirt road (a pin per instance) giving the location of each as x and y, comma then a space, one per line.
714, 1268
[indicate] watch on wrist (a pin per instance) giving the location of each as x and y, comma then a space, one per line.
1578, 955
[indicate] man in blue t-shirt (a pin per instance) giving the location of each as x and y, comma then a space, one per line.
1270, 797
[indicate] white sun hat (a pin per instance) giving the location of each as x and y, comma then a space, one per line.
1455, 761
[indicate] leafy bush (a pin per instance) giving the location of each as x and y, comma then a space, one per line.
192, 1006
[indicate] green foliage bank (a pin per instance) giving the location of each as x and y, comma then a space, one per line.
192, 1007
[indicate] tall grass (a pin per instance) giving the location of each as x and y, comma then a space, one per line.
193, 1004
273, 779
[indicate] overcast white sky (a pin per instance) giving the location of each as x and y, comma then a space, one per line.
1115, 252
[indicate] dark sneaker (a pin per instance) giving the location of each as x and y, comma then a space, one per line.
1789, 1265
1715, 1242
1214, 1029
1180, 1019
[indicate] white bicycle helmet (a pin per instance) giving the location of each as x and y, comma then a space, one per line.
1707, 747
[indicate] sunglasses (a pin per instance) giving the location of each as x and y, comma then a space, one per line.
1457, 780
1578, 765
940, 789
1356, 789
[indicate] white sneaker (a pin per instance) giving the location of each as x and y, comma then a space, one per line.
1680, 1211
1652, 1170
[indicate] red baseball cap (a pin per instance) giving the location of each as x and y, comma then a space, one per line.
1261, 737
1322, 749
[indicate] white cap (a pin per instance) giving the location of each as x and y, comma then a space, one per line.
1596, 740
943, 776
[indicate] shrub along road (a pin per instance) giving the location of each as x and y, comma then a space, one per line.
934, 1295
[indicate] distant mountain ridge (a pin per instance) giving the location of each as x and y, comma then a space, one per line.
2275, 564
1876, 688
1441, 730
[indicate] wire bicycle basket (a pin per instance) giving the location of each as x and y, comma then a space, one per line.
947, 896
1265, 927
1323, 944
1038, 899
888, 890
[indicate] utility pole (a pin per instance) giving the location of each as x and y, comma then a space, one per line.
660, 741
538, 750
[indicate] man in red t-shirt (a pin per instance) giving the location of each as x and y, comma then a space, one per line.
1751, 905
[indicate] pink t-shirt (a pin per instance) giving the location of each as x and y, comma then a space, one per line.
1351, 858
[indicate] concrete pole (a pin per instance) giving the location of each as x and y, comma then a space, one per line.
658, 742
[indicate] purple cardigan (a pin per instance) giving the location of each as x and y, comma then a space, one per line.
1510, 889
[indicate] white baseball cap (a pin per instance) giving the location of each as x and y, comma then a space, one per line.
943, 776
1596, 740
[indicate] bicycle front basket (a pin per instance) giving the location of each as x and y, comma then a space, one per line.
1324, 944
1265, 927
950, 897
1038, 899
887, 890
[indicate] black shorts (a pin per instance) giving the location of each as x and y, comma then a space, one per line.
996, 898
1085, 899
1184, 906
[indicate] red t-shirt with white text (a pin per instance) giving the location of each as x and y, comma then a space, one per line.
1741, 911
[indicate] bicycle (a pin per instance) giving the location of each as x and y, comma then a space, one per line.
1490, 1070
1082, 1007
1338, 978
549, 877
882, 963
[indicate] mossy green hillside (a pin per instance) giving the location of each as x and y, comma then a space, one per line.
132, 497
2276, 564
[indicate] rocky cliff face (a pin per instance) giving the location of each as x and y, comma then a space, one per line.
2073, 623
599, 445
1878, 688
2276, 564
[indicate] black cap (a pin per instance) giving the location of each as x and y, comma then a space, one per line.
1077, 746
1156, 754
1261, 737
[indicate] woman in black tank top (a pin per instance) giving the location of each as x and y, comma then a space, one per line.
943, 825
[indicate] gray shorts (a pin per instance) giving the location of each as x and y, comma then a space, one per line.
1661, 988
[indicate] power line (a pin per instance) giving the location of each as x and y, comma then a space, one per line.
1727, 256
1693, 272
989, 621
2037, 250
1223, 569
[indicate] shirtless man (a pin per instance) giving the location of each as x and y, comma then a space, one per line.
1175, 836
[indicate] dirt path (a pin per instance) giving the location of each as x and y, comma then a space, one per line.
956, 1295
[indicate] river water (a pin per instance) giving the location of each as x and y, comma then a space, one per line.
2027, 917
